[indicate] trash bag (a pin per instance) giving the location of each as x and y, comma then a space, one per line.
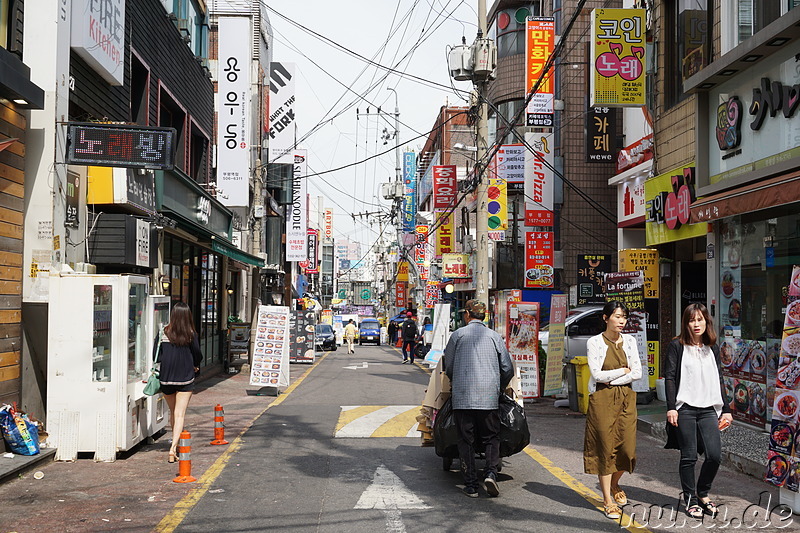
445, 434
514, 432
21, 435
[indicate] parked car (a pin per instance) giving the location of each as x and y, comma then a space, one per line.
325, 337
369, 331
581, 324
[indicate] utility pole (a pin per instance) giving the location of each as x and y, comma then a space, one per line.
482, 215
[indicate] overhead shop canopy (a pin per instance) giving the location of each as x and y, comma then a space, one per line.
236, 254
752, 197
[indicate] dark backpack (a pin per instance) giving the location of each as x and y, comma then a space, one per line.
409, 329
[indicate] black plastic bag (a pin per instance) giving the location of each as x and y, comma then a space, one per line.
514, 432
445, 434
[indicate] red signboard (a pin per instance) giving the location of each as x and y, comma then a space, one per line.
444, 186
538, 217
539, 272
400, 294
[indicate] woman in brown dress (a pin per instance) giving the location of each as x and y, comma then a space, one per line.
609, 447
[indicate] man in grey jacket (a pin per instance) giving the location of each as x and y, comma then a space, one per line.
479, 367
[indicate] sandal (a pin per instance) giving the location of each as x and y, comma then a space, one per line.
710, 508
172, 457
620, 497
613, 511
695, 511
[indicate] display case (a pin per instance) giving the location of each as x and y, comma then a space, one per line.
98, 361
157, 409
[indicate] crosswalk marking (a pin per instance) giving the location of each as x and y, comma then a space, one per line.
363, 421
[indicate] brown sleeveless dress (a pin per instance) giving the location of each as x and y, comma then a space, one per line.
609, 443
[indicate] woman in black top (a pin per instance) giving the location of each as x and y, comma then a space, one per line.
180, 358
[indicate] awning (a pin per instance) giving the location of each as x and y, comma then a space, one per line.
752, 197
235, 253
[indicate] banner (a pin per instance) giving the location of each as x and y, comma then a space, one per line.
591, 269
445, 233
282, 106
271, 347
601, 127
297, 212
421, 244
555, 345
444, 186
313, 255
628, 288
456, 266
511, 165
233, 121
539, 44
327, 225
539, 178
302, 334
410, 197
749, 397
539, 271
522, 340
618, 58
400, 293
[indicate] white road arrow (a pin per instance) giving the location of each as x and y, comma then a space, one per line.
389, 494
364, 364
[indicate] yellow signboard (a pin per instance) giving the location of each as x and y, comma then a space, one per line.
445, 232
646, 260
402, 271
667, 201
618, 58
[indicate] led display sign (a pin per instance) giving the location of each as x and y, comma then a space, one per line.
120, 145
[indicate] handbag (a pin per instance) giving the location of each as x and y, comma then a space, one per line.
153, 386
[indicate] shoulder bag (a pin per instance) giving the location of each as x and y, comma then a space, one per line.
153, 386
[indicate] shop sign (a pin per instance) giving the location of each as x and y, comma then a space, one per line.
511, 165
410, 196
233, 119
271, 347
618, 58
539, 45
444, 233
421, 244
668, 198
497, 203
635, 154
313, 257
456, 266
539, 271
601, 127
591, 269
555, 346
402, 271
98, 36
301, 326
297, 212
73, 194
203, 210
327, 227
630, 198
522, 340
628, 288
539, 179
644, 260
282, 105
400, 294
444, 186
432, 294
142, 243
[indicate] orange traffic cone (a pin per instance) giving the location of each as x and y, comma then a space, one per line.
219, 426
185, 459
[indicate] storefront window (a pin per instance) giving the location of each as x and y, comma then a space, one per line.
756, 255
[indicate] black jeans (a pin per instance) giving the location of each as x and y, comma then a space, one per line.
471, 425
698, 423
408, 350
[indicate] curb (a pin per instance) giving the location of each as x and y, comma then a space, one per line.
24, 463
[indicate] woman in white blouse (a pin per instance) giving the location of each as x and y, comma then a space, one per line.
695, 406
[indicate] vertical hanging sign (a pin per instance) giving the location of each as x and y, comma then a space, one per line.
539, 177
421, 244
539, 44
313, 254
600, 130
539, 272
444, 233
281, 109
444, 186
327, 229
297, 213
618, 57
410, 197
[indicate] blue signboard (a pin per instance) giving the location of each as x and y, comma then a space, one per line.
410, 198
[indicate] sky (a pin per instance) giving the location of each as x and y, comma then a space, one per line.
331, 84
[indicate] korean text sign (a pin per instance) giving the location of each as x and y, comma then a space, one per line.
618, 58
421, 245
444, 186
539, 270
522, 340
539, 178
410, 190
539, 44
455, 266
445, 232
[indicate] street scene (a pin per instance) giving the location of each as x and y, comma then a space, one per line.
452, 265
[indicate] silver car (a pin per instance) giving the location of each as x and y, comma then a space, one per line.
582, 323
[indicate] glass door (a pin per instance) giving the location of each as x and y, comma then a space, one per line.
137, 360
101, 333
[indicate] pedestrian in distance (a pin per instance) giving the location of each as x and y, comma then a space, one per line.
409, 332
350, 331
392, 330
609, 447
479, 367
179, 356
696, 412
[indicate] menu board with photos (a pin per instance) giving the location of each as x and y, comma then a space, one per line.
783, 458
270, 363
522, 340
301, 327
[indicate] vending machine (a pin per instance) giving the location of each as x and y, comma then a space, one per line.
101, 333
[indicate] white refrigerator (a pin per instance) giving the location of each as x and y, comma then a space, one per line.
101, 330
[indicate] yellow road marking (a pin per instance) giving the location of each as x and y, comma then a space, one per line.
398, 425
416, 361
352, 414
174, 518
587, 493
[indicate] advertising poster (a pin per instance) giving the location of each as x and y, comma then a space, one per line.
617, 78
539, 272
301, 329
522, 341
783, 458
539, 44
271, 347
591, 269
555, 345
432, 294
646, 261
628, 287
539, 179
511, 165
